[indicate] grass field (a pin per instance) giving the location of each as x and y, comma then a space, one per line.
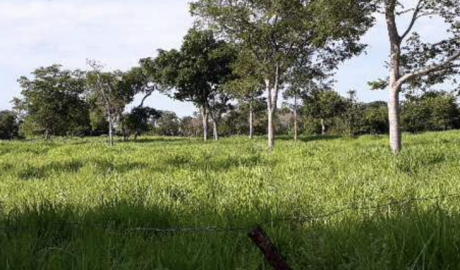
72, 204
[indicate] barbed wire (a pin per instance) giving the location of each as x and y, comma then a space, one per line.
244, 228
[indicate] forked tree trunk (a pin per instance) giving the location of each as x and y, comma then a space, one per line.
395, 75
251, 121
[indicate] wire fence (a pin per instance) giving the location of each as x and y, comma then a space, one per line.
243, 228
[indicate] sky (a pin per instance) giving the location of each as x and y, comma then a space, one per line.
35, 33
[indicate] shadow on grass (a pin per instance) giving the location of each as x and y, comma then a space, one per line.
310, 138
174, 140
133, 236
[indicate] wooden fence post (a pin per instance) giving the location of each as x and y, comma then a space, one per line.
273, 257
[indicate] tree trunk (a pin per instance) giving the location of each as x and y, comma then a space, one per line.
295, 126
295, 119
272, 101
214, 130
395, 75
251, 121
205, 115
110, 131
394, 120
271, 129
323, 127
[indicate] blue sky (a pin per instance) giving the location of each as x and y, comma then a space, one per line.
118, 33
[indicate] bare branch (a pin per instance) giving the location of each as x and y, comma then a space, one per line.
415, 17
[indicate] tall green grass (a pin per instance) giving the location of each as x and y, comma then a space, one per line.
68, 204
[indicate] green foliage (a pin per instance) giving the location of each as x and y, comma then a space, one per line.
98, 121
199, 70
53, 101
139, 120
171, 183
374, 118
9, 126
168, 124
431, 112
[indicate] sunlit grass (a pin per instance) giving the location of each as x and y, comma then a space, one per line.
179, 182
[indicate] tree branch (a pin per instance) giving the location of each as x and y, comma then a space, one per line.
415, 17
432, 68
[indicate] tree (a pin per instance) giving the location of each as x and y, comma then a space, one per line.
433, 111
197, 72
53, 101
373, 118
168, 124
139, 120
111, 92
302, 78
9, 128
191, 125
413, 62
352, 113
277, 32
324, 105
247, 85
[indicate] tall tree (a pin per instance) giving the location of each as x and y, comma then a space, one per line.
277, 32
197, 72
247, 84
413, 61
302, 78
53, 101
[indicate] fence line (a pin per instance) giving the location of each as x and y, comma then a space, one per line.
244, 228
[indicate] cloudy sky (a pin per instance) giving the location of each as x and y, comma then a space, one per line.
118, 33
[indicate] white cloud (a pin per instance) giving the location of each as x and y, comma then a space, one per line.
118, 33
37, 33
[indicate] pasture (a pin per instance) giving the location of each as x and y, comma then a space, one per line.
326, 202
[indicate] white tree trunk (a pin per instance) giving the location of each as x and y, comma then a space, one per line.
295, 119
214, 130
110, 130
394, 121
204, 115
395, 75
323, 127
251, 122
272, 101
271, 129
295, 125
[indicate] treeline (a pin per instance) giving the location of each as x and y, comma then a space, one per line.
242, 57
320, 112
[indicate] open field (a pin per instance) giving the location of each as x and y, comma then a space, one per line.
72, 204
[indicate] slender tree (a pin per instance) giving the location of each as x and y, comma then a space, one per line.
110, 92
247, 85
413, 61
